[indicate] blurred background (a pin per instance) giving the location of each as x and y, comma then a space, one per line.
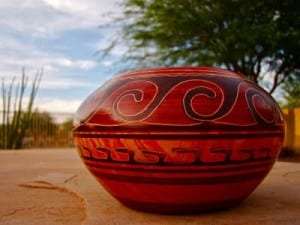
55, 53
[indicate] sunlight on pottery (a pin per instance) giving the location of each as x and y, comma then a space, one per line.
179, 140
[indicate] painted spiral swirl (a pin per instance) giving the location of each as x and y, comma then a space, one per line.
183, 101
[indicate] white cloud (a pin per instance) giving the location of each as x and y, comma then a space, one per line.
53, 104
31, 19
67, 62
28, 26
55, 82
85, 64
54, 75
107, 63
7, 42
67, 5
64, 62
15, 55
49, 18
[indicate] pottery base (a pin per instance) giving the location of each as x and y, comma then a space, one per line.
180, 209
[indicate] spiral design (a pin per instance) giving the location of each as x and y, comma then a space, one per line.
261, 106
133, 101
183, 100
203, 101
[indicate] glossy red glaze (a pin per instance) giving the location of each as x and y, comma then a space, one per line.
179, 140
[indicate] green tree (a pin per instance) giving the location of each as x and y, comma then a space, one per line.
260, 39
291, 93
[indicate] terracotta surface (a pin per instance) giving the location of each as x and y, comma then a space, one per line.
179, 140
52, 187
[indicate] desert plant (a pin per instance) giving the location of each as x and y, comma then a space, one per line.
16, 118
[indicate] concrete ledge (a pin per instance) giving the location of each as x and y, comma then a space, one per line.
54, 187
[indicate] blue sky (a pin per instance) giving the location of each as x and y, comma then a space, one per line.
62, 37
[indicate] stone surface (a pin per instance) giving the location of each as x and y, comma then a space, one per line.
54, 187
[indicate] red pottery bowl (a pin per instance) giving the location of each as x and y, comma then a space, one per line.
179, 140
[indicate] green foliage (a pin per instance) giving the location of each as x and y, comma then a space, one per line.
254, 38
291, 93
16, 119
